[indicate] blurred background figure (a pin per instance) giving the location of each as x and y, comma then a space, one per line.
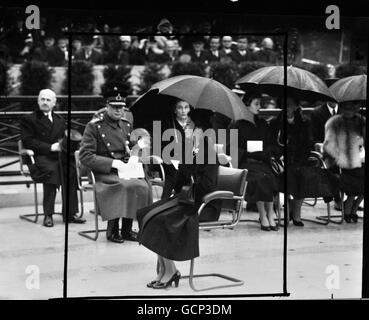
227, 48
253, 45
41, 52
27, 52
89, 53
76, 47
213, 54
267, 53
268, 103
241, 53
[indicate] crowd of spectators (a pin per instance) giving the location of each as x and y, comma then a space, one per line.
18, 45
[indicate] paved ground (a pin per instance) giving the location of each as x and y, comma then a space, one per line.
321, 260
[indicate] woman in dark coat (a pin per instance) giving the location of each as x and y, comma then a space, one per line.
344, 143
254, 155
170, 227
304, 179
181, 127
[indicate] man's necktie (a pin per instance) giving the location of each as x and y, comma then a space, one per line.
333, 112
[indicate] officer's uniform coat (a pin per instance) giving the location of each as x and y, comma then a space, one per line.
103, 141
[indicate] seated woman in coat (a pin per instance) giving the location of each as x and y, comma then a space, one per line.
254, 155
344, 142
304, 179
170, 227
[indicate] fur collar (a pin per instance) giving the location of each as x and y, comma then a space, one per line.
344, 140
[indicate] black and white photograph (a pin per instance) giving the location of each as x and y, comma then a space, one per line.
189, 150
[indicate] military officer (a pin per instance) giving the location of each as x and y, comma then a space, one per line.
104, 149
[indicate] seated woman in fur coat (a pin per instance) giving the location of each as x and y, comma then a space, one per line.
344, 145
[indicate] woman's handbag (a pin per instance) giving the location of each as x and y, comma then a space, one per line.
277, 165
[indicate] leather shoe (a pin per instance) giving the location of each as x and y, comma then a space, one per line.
274, 228
76, 219
115, 238
298, 223
354, 217
264, 228
337, 206
131, 236
48, 221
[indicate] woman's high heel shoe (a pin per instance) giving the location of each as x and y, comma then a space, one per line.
347, 218
151, 284
162, 285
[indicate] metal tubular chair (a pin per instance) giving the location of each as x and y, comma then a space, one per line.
231, 187
23, 155
317, 156
86, 175
86, 182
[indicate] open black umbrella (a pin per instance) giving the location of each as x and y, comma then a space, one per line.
301, 84
199, 92
350, 89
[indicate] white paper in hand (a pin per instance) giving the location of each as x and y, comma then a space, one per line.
131, 170
254, 145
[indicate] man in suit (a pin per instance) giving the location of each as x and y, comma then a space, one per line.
58, 56
227, 48
42, 131
319, 116
214, 54
197, 52
241, 54
104, 150
89, 53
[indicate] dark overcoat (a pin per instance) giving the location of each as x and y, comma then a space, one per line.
38, 133
305, 178
262, 183
319, 116
103, 141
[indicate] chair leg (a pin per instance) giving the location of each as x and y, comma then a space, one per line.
329, 216
36, 214
326, 218
27, 217
191, 276
96, 230
81, 203
312, 204
288, 214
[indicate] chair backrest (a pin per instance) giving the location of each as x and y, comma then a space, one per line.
232, 179
83, 174
22, 154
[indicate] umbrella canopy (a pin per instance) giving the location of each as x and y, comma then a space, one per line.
301, 84
199, 92
350, 88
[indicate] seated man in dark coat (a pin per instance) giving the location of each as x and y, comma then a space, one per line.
104, 149
42, 132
